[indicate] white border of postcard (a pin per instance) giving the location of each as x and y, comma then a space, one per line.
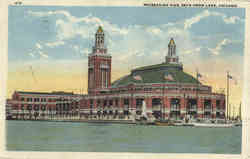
63, 155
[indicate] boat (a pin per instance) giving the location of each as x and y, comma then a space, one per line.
183, 124
238, 124
164, 123
213, 125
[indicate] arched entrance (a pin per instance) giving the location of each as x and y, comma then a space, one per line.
175, 108
156, 107
207, 109
192, 108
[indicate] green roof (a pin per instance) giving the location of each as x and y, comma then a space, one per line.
46, 93
150, 67
100, 30
156, 74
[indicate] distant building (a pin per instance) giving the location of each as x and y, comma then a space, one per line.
44, 106
8, 109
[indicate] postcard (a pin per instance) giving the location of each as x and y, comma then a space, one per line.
131, 79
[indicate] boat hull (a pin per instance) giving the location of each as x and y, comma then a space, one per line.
213, 125
161, 123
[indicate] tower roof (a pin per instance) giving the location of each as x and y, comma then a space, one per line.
100, 30
171, 42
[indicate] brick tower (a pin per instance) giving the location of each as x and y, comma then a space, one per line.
99, 64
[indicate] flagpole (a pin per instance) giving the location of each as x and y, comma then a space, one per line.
198, 87
163, 106
229, 112
233, 112
240, 112
197, 90
227, 109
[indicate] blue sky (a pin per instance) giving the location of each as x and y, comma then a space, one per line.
40, 26
57, 40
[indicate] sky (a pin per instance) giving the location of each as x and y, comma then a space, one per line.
48, 47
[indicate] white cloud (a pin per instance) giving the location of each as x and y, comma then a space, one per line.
174, 31
69, 26
192, 51
76, 47
49, 13
134, 42
218, 48
189, 22
154, 30
85, 52
129, 55
231, 20
43, 55
169, 24
31, 54
228, 20
55, 44
39, 46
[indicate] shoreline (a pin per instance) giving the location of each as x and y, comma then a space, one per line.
84, 121
131, 122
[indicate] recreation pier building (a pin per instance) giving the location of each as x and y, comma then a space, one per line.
165, 88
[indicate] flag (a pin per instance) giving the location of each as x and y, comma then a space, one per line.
168, 76
232, 78
229, 76
199, 75
137, 77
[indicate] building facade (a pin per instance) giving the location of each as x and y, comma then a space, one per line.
44, 106
166, 89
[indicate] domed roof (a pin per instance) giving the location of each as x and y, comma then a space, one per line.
100, 30
160, 73
171, 42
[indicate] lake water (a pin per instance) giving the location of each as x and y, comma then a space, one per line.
86, 137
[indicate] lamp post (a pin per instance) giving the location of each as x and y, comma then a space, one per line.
184, 96
177, 108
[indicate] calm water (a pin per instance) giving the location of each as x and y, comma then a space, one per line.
85, 137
